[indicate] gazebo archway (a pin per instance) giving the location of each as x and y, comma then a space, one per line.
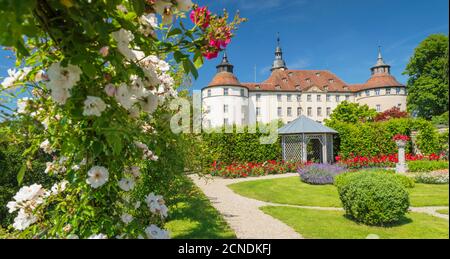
304, 140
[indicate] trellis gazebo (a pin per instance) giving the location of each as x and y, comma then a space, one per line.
306, 140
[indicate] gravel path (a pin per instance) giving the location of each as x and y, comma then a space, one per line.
248, 221
243, 214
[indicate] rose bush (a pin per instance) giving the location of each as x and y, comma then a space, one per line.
93, 73
242, 170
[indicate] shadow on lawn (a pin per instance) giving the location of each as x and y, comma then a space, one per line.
403, 221
193, 217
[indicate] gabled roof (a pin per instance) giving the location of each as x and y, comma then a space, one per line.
300, 80
304, 124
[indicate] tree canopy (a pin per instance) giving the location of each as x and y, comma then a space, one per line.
428, 77
352, 113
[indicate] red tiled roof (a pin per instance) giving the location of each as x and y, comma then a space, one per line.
295, 80
224, 78
377, 80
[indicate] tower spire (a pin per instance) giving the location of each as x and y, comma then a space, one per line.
225, 65
380, 67
278, 63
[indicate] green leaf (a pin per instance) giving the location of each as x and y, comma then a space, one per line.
191, 67
115, 142
174, 32
198, 59
21, 173
178, 56
138, 6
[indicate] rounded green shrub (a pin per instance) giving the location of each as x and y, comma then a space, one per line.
373, 199
405, 181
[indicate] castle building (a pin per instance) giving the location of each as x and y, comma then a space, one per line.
287, 94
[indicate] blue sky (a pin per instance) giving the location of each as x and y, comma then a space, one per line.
339, 35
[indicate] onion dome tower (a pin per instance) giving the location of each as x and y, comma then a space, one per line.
278, 63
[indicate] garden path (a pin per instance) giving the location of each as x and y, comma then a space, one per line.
243, 214
248, 221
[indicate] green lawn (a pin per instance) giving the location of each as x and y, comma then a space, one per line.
294, 192
193, 217
334, 225
444, 211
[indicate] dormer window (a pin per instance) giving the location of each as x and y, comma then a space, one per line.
308, 80
345, 88
290, 74
278, 87
331, 81
285, 80
325, 88
318, 74
297, 87
258, 87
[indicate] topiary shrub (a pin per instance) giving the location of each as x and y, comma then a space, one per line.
405, 181
373, 199
319, 174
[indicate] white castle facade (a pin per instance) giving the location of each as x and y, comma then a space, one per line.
287, 94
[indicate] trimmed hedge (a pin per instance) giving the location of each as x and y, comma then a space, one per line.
427, 166
403, 180
375, 138
372, 198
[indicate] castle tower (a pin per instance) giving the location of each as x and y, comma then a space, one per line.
278, 63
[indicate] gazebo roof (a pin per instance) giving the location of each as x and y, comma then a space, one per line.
304, 124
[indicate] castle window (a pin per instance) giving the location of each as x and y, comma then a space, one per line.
289, 112
318, 74
258, 97
242, 92
309, 98
209, 92
347, 97
319, 111
378, 108
338, 98
290, 74
328, 97
297, 87
325, 88
225, 91
280, 112
277, 87
208, 109
331, 81
289, 97
225, 108
299, 111
258, 111
346, 88
309, 111
319, 98
279, 97
388, 91
285, 80
308, 80
225, 122
328, 111
398, 90
367, 92
258, 87
299, 97
377, 92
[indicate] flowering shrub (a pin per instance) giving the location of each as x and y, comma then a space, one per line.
98, 78
239, 170
319, 174
438, 177
400, 137
394, 112
382, 161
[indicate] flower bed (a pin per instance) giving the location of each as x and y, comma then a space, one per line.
320, 174
381, 161
242, 170
438, 177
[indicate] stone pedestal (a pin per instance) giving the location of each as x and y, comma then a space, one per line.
401, 166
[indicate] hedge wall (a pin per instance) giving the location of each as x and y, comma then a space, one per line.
239, 147
375, 138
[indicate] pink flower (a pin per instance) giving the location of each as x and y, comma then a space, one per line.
210, 54
201, 17
110, 90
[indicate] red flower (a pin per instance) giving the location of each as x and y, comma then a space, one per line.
201, 17
400, 137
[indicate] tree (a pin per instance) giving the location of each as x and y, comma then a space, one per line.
428, 77
352, 113
394, 112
